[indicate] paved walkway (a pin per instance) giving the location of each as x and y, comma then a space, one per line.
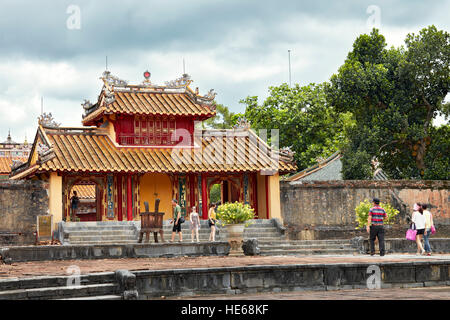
30, 269
429, 293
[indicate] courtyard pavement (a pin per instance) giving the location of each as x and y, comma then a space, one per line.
48, 268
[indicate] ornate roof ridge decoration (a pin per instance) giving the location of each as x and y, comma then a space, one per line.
286, 154
47, 120
183, 82
16, 164
110, 80
242, 123
88, 107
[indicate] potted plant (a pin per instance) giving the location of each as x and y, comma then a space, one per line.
234, 217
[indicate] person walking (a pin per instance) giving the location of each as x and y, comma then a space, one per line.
177, 220
419, 221
375, 228
195, 224
212, 221
429, 223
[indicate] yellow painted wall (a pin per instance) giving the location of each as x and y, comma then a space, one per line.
159, 183
55, 197
274, 197
261, 196
110, 130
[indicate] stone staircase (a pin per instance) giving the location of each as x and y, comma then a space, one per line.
103, 287
108, 232
305, 247
269, 233
272, 241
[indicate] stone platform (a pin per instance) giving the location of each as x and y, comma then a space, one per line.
113, 251
184, 277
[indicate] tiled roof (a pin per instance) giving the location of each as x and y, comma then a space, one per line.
150, 102
328, 169
85, 191
221, 151
6, 162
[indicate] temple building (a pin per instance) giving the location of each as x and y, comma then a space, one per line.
10, 153
144, 141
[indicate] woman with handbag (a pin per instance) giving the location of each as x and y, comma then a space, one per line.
429, 228
212, 221
419, 221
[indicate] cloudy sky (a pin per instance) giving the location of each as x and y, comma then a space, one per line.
57, 49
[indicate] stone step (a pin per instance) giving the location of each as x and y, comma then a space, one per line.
52, 292
101, 233
306, 242
103, 238
302, 246
102, 228
54, 281
267, 239
106, 297
100, 242
306, 252
258, 234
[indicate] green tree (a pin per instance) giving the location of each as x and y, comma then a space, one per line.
224, 119
306, 123
394, 94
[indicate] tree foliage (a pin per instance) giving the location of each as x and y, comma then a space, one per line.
224, 119
394, 94
306, 123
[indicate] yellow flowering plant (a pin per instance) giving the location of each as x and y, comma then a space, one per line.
234, 213
362, 213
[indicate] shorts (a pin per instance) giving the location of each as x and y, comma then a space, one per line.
420, 231
211, 223
176, 227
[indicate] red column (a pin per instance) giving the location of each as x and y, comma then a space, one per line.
129, 199
204, 198
119, 198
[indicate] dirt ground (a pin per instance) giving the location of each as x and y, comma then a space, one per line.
30, 269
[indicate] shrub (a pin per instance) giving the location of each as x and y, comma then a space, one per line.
233, 213
362, 213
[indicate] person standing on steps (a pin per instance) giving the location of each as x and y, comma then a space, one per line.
212, 221
74, 201
195, 224
177, 221
375, 228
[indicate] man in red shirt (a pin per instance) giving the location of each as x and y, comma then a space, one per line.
375, 226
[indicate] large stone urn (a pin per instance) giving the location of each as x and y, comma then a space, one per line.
235, 238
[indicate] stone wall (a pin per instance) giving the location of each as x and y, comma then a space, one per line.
326, 209
20, 203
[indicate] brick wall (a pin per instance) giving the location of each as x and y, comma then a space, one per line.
326, 209
20, 203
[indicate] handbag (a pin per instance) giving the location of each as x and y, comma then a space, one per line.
433, 230
411, 234
181, 220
